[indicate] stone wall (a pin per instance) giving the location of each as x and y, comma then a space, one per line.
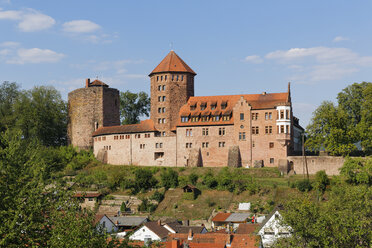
89, 108
330, 164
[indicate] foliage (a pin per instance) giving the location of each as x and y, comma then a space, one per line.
147, 206
193, 178
123, 207
321, 181
342, 221
209, 180
157, 196
132, 106
357, 170
144, 180
169, 178
337, 128
9, 92
304, 185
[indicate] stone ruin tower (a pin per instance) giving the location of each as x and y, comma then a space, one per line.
172, 84
89, 108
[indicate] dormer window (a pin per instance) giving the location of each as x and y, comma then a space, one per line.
184, 118
205, 118
215, 118
226, 117
203, 105
223, 105
195, 119
193, 106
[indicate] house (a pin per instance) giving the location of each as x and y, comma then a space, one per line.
88, 199
126, 223
211, 240
231, 219
150, 231
105, 223
273, 228
175, 227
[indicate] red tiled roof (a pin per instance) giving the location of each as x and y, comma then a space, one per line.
221, 217
216, 239
247, 228
144, 126
172, 63
257, 101
97, 83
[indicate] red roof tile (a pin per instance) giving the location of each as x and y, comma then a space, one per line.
172, 63
221, 217
257, 101
247, 228
97, 83
144, 126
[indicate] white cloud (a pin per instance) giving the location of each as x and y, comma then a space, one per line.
80, 26
253, 59
9, 44
30, 20
34, 56
35, 22
340, 38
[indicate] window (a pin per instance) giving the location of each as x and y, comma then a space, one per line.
255, 130
221, 131
242, 116
216, 118
137, 136
115, 137
156, 156
163, 110
287, 131
205, 131
271, 160
127, 136
221, 144
157, 78
159, 98
205, 144
194, 119
142, 146
158, 145
159, 110
163, 87
172, 77
161, 78
99, 138
189, 132
193, 107
270, 115
188, 145
213, 106
287, 114
177, 78
271, 145
165, 77
281, 114
182, 78
159, 88
241, 135
254, 116
95, 139
253, 144
163, 120
205, 118
281, 129
159, 120
163, 98
163, 133
147, 135
223, 105
268, 129
184, 119
226, 117
103, 138
203, 106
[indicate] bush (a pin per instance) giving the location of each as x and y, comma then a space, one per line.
169, 178
321, 181
157, 196
193, 178
209, 180
357, 171
144, 180
304, 185
147, 206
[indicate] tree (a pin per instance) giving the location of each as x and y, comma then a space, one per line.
144, 180
132, 106
9, 93
321, 181
357, 170
169, 178
365, 125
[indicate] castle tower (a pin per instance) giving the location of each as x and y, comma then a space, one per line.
90, 108
172, 84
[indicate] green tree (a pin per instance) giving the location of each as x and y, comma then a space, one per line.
193, 178
144, 180
365, 125
9, 93
42, 114
357, 170
169, 178
321, 181
132, 106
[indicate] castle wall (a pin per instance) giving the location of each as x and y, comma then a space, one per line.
330, 164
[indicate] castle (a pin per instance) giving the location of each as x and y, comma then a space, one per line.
183, 129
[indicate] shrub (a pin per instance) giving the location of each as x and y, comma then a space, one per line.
304, 185
209, 180
147, 206
144, 180
169, 178
321, 181
157, 196
193, 178
357, 171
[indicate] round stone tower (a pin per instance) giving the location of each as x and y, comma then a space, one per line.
90, 108
172, 84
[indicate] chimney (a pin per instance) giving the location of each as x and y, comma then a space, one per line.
228, 241
190, 235
159, 222
264, 93
176, 243
87, 82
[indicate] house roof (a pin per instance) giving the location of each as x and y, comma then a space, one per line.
159, 230
189, 186
143, 126
98, 217
98, 83
220, 217
238, 217
172, 63
128, 220
257, 101
246, 228
216, 239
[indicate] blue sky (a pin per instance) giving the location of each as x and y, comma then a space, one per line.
234, 46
